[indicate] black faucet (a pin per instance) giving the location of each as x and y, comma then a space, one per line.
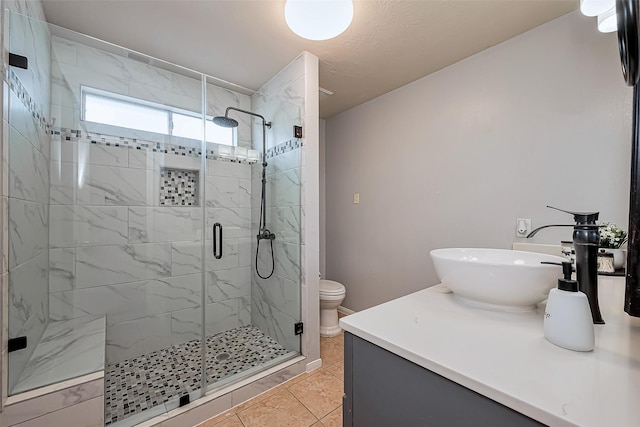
586, 241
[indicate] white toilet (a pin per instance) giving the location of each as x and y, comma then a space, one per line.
331, 296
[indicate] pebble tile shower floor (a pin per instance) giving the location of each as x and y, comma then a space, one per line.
137, 384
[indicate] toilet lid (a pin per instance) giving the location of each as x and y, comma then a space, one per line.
329, 287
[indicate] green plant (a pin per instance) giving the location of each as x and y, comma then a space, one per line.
612, 236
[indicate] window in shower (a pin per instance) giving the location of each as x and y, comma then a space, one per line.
112, 109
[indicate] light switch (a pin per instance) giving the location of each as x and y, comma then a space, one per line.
356, 198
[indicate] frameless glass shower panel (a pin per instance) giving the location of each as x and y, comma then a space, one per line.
235, 346
275, 300
126, 218
31, 361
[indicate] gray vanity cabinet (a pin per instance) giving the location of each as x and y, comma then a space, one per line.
385, 390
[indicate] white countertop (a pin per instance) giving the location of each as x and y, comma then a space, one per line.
505, 356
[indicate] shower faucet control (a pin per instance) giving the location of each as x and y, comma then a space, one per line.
265, 234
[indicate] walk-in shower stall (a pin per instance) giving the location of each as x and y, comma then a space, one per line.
136, 224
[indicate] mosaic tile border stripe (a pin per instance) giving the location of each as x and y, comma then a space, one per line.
16, 86
74, 135
285, 147
220, 152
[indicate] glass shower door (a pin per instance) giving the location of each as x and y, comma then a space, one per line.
249, 321
105, 221
126, 221
228, 332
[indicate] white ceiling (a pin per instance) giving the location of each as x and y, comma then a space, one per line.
389, 44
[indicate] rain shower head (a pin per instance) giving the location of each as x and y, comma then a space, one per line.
225, 122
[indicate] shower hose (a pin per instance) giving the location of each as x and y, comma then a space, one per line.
263, 233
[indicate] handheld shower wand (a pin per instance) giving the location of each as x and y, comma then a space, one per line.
263, 231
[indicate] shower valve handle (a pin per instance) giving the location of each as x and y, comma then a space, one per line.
266, 235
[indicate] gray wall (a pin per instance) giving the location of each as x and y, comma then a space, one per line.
452, 159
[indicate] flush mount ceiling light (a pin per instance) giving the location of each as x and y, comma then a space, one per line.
595, 7
318, 19
605, 10
607, 21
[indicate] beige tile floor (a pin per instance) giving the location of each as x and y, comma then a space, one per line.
310, 399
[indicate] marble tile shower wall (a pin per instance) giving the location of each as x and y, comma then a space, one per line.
25, 190
114, 250
276, 302
281, 101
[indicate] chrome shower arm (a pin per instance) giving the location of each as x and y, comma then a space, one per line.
251, 113
265, 124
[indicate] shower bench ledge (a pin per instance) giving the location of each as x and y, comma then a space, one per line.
67, 349
63, 379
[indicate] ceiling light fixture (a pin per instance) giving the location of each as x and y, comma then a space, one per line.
595, 7
605, 10
318, 19
608, 21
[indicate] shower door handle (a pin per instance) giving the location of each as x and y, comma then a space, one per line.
217, 240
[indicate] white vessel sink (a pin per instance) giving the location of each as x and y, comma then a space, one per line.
497, 279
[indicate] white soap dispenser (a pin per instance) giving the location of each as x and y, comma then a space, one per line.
567, 318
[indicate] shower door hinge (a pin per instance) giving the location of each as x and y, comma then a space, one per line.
184, 400
15, 344
18, 61
298, 328
297, 131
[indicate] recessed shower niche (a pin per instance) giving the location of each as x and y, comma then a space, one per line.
179, 187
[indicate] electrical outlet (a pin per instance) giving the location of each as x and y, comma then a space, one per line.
523, 227
356, 198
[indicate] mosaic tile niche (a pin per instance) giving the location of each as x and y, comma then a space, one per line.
178, 187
